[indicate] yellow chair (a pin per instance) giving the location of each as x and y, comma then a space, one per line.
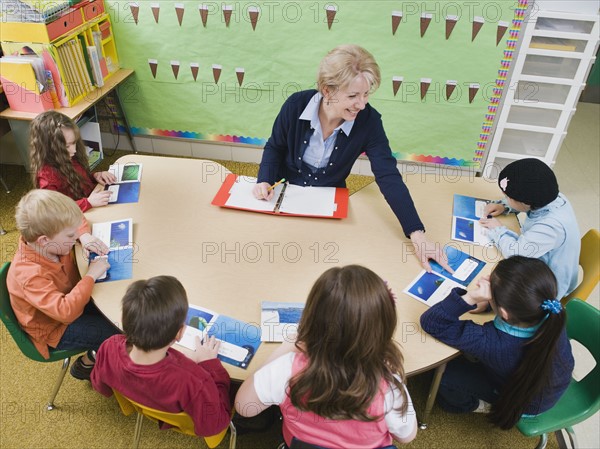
181, 422
589, 259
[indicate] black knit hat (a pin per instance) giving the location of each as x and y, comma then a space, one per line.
529, 181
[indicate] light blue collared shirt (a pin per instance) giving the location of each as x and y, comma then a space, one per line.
319, 151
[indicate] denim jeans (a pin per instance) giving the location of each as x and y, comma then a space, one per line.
88, 331
463, 384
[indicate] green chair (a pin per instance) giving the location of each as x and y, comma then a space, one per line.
24, 343
582, 398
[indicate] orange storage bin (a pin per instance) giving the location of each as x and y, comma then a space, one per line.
93, 9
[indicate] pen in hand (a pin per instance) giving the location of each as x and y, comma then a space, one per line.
275, 185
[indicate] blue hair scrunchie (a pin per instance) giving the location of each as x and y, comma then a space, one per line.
552, 306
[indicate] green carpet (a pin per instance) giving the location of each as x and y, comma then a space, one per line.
84, 418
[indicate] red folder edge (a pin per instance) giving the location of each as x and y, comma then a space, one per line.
223, 194
341, 199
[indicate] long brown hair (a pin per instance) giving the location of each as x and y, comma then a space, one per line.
520, 285
346, 332
47, 146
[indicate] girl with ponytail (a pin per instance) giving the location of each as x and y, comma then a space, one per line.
518, 364
59, 161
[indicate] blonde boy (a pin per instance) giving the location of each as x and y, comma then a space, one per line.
49, 298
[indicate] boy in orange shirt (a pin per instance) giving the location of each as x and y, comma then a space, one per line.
49, 298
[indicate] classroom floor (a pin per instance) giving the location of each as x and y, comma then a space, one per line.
88, 419
578, 171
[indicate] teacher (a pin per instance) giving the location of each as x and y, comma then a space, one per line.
319, 134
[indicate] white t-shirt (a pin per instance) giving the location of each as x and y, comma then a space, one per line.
271, 382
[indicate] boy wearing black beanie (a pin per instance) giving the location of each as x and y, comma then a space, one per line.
550, 231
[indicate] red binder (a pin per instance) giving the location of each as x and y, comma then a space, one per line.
340, 199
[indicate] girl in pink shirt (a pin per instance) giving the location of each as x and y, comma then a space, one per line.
341, 384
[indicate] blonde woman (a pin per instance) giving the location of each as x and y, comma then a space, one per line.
319, 134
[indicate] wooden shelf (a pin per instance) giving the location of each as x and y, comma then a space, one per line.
83, 105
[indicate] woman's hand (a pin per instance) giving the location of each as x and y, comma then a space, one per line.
425, 250
104, 177
261, 191
93, 244
99, 198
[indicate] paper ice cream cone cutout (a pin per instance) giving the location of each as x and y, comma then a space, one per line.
473, 88
396, 19
239, 72
216, 68
425, 83
153, 63
450, 86
227, 14
203, 14
450, 24
253, 13
396, 83
502, 27
155, 7
477, 24
194, 67
175, 68
425, 20
135, 11
180, 10
331, 11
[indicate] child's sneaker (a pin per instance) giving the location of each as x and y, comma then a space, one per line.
80, 370
483, 407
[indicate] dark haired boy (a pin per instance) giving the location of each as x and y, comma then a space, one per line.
142, 366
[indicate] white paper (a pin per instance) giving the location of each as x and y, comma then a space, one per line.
241, 196
480, 208
318, 201
116, 234
465, 269
114, 192
309, 201
439, 294
480, 236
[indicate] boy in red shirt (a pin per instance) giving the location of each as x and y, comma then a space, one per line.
142, 366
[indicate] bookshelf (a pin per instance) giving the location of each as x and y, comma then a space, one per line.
65, 35
19, 121
556, 54
76, 50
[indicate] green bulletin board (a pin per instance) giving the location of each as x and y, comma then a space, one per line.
197, 49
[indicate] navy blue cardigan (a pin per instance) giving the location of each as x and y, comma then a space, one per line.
498, 351
282, 157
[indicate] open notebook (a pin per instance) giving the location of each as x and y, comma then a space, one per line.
239, 340
289, 199
466, 212
431, 288
117, 235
